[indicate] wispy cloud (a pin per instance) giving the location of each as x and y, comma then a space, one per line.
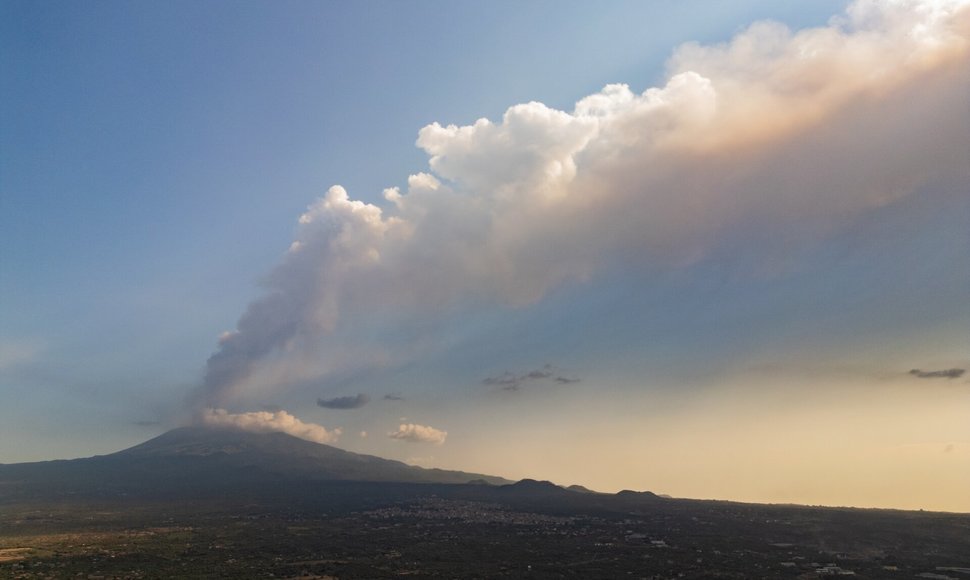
421, 461
543, 373
953, 373
267, 422
393, 397
18, 352
775, 135
510, 381
506, 380
414, 433
349, 402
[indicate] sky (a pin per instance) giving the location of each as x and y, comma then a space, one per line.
712, 250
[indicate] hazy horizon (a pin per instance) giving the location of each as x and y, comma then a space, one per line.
711, 252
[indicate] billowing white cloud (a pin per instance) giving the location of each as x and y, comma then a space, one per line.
418, 434
270, 422
756, 145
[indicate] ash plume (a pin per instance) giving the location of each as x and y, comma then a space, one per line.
776, 135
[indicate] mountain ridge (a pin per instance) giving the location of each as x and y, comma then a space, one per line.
212, 456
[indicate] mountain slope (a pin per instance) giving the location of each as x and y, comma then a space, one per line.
195, 457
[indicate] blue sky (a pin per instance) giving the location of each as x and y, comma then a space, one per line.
155, 158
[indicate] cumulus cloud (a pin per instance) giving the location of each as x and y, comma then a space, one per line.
418, 434
270, 422
758, 145
941, 374
349, 402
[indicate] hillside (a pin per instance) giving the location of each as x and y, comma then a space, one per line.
195, 458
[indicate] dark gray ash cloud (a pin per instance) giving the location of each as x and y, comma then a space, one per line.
941, 374
393, 397
267, 323
349, 402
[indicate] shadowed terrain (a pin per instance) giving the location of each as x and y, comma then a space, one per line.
194, 459
202, 503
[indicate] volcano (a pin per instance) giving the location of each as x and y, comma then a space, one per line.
196, 458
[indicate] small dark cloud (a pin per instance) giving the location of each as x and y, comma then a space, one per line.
349, 402
543, 373
393, 397
949, 448
146, 423
510, 381
506, 380
942, 374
